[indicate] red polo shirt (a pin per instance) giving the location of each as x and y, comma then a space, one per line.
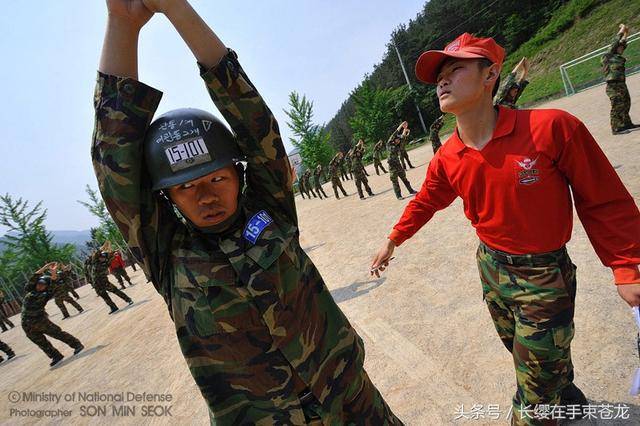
516, 190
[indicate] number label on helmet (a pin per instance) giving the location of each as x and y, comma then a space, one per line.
187, 154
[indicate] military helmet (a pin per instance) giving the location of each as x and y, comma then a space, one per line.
45, 279
186, 144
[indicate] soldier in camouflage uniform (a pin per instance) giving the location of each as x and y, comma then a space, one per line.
99, 264
357, 168
434, 133
36, 323
67, 273
343, 168
334, 172
513, 86
60, 289
4, 320
306, 176
614, 69
404, 155
395, 168
377, 157
317, 175
262, 336
7, 350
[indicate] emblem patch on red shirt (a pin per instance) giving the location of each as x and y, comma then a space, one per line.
528, 175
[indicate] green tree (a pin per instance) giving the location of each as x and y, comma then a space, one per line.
107, 228
311, 139
27, 244
374, 114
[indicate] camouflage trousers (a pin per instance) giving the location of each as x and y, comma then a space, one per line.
336, 183
378, 164
532, 310
104, 286
361, 180
319, 190
404, 159
394, 175
367, 408
6, 349
344, 174
121, 273
37, 330
4, 321
73, 291
620, 104
64, 297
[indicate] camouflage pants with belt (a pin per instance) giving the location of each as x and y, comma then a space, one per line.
36, 331
64, 297
532, 310
367, 408
620, 104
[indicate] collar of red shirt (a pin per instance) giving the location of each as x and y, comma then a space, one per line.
505, 125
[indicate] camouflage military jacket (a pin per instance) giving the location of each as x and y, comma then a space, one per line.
334, 169
434, 130
504, 96
254, 319
613, 64
34, 302
393, 147
356, 159
377, 151
100, 268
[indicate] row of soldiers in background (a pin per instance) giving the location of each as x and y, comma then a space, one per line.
613, 64
397, 161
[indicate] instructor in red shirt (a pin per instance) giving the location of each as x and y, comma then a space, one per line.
516, 171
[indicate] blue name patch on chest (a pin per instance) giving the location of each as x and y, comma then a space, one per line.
256, 225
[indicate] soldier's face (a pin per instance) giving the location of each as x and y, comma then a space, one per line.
208, 200
463, 84
40, 287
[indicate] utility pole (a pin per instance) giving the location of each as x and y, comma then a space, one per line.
404, 71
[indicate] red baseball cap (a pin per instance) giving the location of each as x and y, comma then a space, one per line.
465, 46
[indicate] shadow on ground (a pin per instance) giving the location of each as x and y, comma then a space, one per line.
70, 359
356, 289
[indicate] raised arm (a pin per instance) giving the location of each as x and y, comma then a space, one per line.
124, 107
120, 47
